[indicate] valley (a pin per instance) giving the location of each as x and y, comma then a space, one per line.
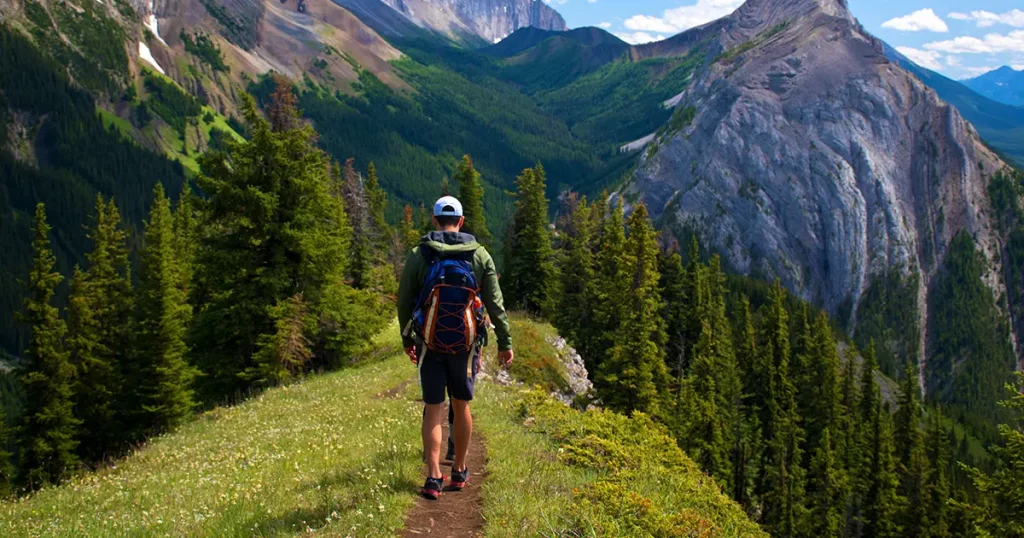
722, 223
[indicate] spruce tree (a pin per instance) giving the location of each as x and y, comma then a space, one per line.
376, 203
881, 502
634, 376
827, 490
999, 510
574, 289
165, 383
821, 394
274, 225
611, 286
673, 294
749, 442
937, 500
529, 267
471, 195
48, 435
782, 483
695, 301
286, 352
99, 309
186, 236
409, 234
911, 461
358, 211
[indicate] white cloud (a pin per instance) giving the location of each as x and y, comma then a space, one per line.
639, 38
925, 58
985, 19
605, 25
682, 18
918, 21
989, 44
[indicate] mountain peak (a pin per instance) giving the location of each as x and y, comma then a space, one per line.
492, 20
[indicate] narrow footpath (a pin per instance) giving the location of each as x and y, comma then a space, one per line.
457, 514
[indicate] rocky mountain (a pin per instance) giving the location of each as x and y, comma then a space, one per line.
802, 152
491, 20
1001, 125
1005, 85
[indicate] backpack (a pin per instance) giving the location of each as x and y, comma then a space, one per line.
449, 313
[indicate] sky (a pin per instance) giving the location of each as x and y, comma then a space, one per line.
958, 38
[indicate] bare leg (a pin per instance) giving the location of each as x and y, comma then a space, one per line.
463, 432
432, 417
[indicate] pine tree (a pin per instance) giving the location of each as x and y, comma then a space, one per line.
999, 510
634, 376
186, 236
99, 309
749, 443
409, 234
911, 462
673, 295
695, 301
827, 490
574, 289
274, 225
821, 394
471, 195
165, 383
48, 435
424, 223
529, 267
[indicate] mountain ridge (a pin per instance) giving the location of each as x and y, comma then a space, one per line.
1005, 85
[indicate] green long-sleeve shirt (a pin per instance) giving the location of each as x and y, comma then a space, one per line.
447, 244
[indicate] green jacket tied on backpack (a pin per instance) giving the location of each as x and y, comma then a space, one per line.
446, 244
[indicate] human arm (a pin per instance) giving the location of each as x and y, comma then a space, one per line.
408, 290
490, 293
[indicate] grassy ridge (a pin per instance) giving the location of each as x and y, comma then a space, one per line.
326, 454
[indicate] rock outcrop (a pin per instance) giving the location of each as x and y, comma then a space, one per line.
813, 158
491, 20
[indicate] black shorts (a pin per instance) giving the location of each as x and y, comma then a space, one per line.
454, 374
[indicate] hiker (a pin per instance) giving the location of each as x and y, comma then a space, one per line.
447, 282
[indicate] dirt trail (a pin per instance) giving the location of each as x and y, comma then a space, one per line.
457, 514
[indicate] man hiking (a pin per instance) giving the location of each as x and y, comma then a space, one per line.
447, 281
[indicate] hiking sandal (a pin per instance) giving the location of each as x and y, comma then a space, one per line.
432, 488
459, 480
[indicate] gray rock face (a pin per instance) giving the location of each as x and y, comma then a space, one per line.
813, 158
492, 20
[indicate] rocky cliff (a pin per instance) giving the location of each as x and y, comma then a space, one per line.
802, 152
491, 20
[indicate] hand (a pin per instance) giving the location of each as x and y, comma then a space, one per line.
505, 358
411, 352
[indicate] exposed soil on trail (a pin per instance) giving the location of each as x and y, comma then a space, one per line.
457, 514
396, 391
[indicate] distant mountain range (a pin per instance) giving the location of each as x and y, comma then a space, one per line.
1005, 85
1000, 125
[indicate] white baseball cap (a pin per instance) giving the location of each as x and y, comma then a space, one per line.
448, 206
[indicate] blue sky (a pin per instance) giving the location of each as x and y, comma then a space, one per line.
959, 38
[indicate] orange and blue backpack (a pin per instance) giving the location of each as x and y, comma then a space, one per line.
449, 316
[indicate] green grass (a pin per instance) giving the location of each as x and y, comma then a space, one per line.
325, 454
538, 363
111, 119
555, 471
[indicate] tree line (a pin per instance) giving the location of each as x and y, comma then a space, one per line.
277, 266
791, 423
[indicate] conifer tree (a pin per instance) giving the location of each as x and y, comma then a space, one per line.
634, 376
748, 444
911, 462
377, 202
48, 435
409, 234
574, 290
165, 380
276, 226
673, 294
822, 394
424, 223
358, 211
471, 195
611, 286
695, 301
782, 483
6, 467
827, 490
529, 267
99, 309
881, 502
999, 510
186, 236
936, 502
849, 403
286, 352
